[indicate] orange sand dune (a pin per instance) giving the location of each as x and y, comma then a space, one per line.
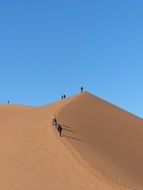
101, 147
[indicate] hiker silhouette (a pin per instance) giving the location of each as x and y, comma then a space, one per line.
81, 89
60, 129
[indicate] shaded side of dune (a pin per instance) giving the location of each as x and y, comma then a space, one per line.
107, 137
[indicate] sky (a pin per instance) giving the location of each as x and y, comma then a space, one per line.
51, 47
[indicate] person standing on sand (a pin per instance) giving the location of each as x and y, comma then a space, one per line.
81, 89
54, 120
60, 129
64, 96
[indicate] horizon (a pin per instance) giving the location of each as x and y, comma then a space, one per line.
51, 48
70, 96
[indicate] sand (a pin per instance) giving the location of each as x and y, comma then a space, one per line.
100, 148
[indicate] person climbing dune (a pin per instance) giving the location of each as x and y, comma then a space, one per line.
54, 120
60, 129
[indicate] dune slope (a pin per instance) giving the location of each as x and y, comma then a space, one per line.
108, 138
101, 147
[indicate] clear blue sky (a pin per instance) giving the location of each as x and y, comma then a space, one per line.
52, 47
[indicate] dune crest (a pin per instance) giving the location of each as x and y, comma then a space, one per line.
101, 147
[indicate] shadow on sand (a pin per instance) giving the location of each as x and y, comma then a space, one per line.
65, 126
65, 129
74, 138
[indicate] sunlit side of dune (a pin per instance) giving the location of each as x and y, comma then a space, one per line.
100, 148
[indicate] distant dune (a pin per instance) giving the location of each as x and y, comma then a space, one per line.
101, 147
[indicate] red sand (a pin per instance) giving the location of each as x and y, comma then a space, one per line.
101, 147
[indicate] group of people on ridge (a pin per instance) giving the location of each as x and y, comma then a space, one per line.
64, 96
56, 125
54, 119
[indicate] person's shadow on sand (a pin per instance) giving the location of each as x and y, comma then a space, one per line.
74, 138
65, 126
69, 129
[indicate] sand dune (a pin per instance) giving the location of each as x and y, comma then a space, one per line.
101, 147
